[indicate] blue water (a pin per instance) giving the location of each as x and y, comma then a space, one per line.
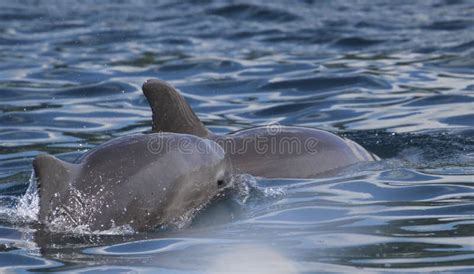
395, 76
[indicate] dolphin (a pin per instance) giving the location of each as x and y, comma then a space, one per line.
144, 181
272, 151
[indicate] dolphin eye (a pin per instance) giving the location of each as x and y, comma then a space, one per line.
220, 183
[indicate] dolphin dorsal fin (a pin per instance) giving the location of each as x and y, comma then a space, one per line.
171, 112
53, 176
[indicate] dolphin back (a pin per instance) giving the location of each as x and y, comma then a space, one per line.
53, 176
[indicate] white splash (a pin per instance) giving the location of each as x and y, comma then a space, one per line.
244, 183
81, 210
27, 208
117, 230
246, 186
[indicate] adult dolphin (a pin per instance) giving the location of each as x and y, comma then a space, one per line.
268, 151
144, 181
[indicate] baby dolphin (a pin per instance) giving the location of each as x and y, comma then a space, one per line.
270, 151
144, 181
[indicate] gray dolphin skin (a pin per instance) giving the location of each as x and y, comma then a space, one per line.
144, 181
269, 151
